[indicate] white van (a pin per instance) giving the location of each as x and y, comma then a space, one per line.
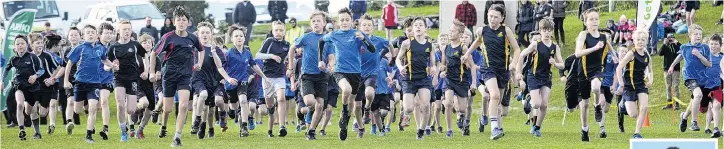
134, 11
47, 12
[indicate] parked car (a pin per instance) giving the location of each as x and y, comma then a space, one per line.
134, 11
47, 11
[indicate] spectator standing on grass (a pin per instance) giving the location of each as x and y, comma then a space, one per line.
245, 15
149, 29
322, 5
358, 8
294, 32
559, 14
583, 6
167, 26
278, 10
670, 50
465, 12
526, 19
390, 13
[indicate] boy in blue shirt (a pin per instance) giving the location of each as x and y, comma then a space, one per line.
177, 68
106, 34
239, 59
696, 56
88, 56
314, 81
381, 104
370, 62
348, 44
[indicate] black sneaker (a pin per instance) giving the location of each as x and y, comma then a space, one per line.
282, 131
244, 132
603, 132
720, 22
163, 133
202, 130
344, 120
211, 133
195, 126
343, 134
439, 129
270, 134
683, 123
707, 131
51, 129
322, 133
37, 136
104, 134
598, 113
176, 142
22, 134
668, 106
311, 135
89, 139
584, 136
420, 134
466, 131
716, 134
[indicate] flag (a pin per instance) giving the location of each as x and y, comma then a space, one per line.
21, 23
647, 12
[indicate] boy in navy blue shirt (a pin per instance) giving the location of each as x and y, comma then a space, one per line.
178, 64
313, 79
273, 52
415, 72
347, 65
106, 35
28, 69
88, 56
239, 60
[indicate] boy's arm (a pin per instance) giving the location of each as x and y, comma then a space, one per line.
580, 51
560, 64
265, 47
619, 69
516, 48
476, 43
676, 61
703, 60
219, 65
519, 66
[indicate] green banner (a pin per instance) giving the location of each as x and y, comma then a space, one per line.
20, 23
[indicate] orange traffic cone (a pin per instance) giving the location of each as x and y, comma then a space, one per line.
646, 121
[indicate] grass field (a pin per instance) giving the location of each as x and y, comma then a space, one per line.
555, 135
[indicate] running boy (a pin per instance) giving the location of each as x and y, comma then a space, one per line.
177, 68
416, 84
539, 76
127, 54
457, 73
494, 39
88, 56
696, 60
314, 80
637, 70
27, 70
273, 52
347, 65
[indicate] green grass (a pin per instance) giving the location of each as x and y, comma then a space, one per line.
555, 135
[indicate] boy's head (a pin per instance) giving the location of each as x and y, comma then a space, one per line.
36, 42
695, 33
106, 33
146, 41
74, 35
443, 39
641, 38
715, 43
407, 24
496, 14
21, 44
90, 34
180, 18
344, 18
590, 18
205, 31
237, 35
125, 29
467, 37
622, 50
419, 27
278, 29
546, 28
365, 24
535, 36
456, 29
317, 20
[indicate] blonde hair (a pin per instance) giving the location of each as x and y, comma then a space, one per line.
145, 37
33, 37
693, 27
641, 33
206, 24
124, 22
318, 13
459, 25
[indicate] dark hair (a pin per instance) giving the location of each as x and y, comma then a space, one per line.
47, 24
232, 28
407, 22
498, 8
345, 10
170, 21
672, 147
180, 11
588, 11
717, 38
292, 18
25, 38
52, 40
105, 26
90, 26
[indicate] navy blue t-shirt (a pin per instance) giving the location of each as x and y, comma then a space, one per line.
179, 59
